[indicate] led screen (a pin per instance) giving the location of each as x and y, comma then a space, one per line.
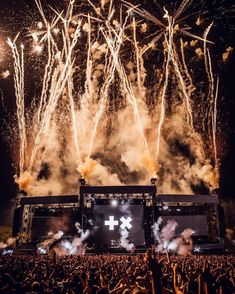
108, 221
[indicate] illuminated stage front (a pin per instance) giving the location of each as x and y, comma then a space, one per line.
116, 214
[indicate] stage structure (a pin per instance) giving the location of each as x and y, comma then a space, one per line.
106, 210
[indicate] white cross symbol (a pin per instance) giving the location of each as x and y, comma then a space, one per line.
126, 223
111, 223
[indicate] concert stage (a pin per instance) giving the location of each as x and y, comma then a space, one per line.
106, 210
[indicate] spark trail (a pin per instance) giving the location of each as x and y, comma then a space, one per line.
60, 78
214, 127
129, 92
104, 91
19, 92
168, 59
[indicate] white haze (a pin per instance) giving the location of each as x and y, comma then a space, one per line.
167, 240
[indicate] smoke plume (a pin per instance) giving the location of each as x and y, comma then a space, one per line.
167, 240
10, 241
124, 242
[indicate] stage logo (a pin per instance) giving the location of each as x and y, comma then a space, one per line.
125, 223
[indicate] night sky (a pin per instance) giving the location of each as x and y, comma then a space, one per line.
15, 15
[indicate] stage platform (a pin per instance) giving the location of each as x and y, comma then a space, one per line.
104, 209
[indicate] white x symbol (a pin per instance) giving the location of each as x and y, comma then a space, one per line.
126, 223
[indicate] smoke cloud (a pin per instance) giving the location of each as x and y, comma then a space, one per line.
10, 241
76, 246
110, 115
124, 242
167, 239
52, 237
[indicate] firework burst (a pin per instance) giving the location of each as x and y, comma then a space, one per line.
117, 100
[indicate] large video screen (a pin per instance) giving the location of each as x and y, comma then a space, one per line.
198, 223
42, 225
109, 222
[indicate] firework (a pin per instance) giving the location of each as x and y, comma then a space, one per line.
101, 111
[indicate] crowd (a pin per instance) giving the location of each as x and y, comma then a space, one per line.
117, 274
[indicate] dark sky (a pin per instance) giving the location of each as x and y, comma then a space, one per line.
12, 19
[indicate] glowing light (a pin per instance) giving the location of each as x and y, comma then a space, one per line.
172, 246
199, 21
144, 27
227, 53
197, 249
199, 52
58, 55
114, 202
56, 31
38, 48
40, 25
5, 74
7, 252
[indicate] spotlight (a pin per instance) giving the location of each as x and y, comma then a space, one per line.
114, 202
197, 249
